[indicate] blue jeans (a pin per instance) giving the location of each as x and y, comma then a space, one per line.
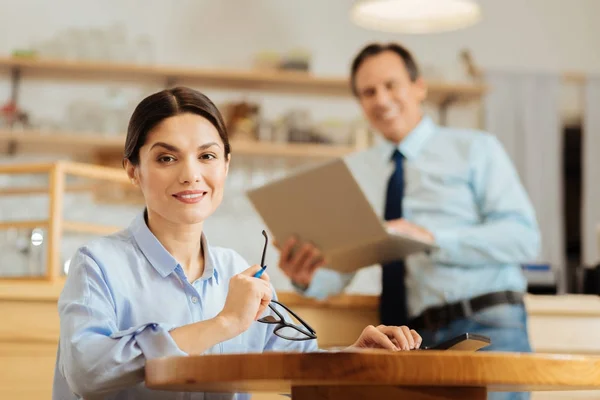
506, 325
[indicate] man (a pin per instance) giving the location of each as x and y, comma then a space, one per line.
454, 187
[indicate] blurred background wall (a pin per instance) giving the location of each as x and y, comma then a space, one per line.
533, 38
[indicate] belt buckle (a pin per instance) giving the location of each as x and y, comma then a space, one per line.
513, 297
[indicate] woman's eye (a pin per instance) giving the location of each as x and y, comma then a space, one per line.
166, 159
207, 156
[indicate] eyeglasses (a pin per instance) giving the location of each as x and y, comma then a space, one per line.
284, 329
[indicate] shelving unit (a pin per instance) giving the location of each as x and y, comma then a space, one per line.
56, 225
439, 93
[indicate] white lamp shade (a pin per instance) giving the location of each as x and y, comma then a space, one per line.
415, 16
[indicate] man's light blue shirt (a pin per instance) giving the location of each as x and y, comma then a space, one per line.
460, 185
122, 296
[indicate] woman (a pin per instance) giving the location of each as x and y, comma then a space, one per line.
158, 288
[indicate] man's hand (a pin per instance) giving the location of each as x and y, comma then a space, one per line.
300, 264
393, 338
410, 229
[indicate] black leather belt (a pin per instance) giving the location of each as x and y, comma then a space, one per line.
435, 318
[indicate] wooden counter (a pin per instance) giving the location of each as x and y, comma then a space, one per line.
557, 324
373, 373
29, 332
28, 339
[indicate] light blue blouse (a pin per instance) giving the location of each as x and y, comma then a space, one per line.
123, 295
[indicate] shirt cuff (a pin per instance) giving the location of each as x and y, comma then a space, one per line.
315, 292
327, 282
299, 288
154, 340
446, 240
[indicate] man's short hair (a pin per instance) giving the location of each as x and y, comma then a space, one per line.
374, 49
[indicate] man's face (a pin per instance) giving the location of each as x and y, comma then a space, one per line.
390, 100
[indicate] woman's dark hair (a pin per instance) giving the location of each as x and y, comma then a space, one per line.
374, 49
164, 104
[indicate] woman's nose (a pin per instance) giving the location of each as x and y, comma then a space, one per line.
189, 174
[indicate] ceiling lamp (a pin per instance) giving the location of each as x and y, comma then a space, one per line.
415, 16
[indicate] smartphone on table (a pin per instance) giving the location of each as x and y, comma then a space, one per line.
464, 342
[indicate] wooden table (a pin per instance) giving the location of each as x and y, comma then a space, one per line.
374, 374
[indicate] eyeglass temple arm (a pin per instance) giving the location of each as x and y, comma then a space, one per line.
275, 311
262, 264
262, 260
295, 315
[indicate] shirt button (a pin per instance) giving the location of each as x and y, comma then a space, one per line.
194, 299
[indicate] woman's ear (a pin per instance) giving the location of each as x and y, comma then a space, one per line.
131, 172
227, 161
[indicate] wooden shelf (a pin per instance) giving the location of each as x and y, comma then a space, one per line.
283, 81
32, 224
25, 288
70, 143
33, 190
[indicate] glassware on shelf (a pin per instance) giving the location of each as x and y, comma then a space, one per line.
69, 45
268, 61
15, 247
278, 168
258, 172
298, 59
362, 135
97, 45
24, 246
45, 125
36, 251
108, 44
144, 50
336, 131
51, 49
265, 130
115, 113
299, 125
76, 117
236, 179
280, 132
116, 37
85, 117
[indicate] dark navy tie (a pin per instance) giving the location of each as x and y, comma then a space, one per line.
392, 308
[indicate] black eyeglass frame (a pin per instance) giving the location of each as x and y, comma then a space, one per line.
309, 332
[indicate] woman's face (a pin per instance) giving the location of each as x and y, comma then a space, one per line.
182, 169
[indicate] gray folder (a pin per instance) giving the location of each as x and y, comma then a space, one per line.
326, 206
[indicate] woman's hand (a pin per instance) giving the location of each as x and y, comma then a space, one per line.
388, 337
247, 299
